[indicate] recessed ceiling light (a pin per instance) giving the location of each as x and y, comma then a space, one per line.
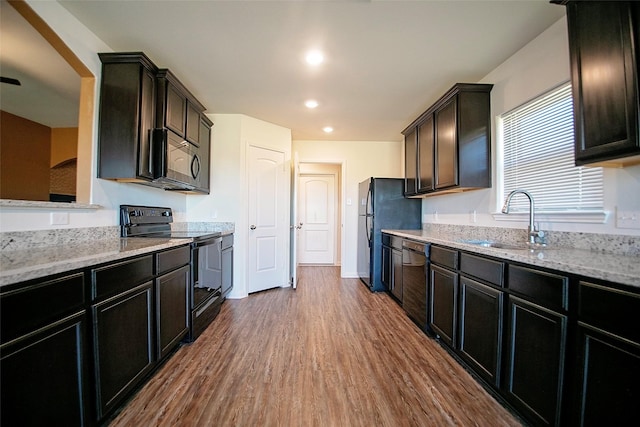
314, 57
311, 103
327, 129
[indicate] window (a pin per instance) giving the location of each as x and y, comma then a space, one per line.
538, 156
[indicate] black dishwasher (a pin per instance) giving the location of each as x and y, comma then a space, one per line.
414, 281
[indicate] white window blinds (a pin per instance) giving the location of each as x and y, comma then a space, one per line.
538, 154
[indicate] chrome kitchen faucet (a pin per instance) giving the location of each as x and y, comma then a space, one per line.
532, 229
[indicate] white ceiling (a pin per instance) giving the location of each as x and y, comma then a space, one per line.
386, 61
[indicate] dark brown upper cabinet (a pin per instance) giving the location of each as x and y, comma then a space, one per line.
135, 98
448, 148
127, 115
603, 47
177, 108
410, 167
205, 153
426, 140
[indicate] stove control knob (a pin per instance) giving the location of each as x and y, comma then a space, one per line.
166, 213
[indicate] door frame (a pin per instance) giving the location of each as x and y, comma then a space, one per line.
341, 186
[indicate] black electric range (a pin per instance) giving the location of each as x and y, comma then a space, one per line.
206, 274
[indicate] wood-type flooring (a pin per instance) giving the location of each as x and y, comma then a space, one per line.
330, 353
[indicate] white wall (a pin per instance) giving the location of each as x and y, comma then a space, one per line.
231, 135
360, 160
109, 195
539, 66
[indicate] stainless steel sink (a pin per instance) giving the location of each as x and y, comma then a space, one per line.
501, 245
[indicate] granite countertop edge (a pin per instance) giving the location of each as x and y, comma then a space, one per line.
614, 268
23, 265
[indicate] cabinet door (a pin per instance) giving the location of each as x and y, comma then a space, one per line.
605, 103
396, 274
609, 380
123, 345
147, 119
480, 339
425, 156
386, 267
446, 145
227, 270
410, 163
443, 295
43, 376
127, 116
172, 305
204, 152
535, 365
176, 110
193, 124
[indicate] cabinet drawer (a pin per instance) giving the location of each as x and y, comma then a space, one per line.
172, 259
115, 278
28, 308
611, 309
547, 289
482, 268
445, 257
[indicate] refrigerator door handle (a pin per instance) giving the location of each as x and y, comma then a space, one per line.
368, 217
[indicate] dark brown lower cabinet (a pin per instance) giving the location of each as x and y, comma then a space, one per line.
609, 381
227, 264
608, 341
396, 275
443, 305
480, 333
172, 300
536, 346
43, 376
123, 344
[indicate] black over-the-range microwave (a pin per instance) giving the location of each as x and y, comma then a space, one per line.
176, 162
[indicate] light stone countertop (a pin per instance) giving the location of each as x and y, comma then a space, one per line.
32, 263
612, 267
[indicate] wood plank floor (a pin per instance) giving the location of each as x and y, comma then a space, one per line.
330, 353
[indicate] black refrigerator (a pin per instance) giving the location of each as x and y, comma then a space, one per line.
381, 204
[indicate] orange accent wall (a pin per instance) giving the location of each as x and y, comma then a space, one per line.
25, 155
64, 145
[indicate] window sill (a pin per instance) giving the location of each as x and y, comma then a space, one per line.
594, 217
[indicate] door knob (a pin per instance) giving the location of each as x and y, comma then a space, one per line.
253, 227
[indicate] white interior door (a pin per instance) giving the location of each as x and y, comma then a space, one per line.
268, 219
294, 226
317, 212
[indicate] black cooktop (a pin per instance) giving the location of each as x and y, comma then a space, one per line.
152, 221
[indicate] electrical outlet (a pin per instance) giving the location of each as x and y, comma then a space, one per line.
628, 219
473, 218
435, 216
425, 217
59, 218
